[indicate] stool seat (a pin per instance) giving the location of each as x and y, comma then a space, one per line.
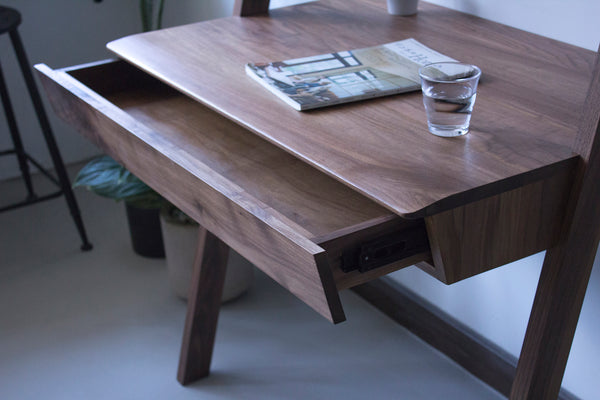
9, 19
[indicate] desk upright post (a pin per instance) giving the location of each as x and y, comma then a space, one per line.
246, 8
566, 270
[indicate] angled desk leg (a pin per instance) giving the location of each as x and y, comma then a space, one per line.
204, 302
566, 270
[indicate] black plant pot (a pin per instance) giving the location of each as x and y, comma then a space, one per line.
145, 232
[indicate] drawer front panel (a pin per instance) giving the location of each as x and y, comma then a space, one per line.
359, 254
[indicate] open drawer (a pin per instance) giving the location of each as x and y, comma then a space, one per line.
307, 231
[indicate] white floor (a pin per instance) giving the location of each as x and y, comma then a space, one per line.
104, 325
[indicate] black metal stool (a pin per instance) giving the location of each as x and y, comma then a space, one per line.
9, 21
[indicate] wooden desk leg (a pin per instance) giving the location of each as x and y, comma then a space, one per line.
552, 323
566, 271
204, 302
247, 8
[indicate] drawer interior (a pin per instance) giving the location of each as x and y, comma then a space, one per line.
328, 211
309, 198
352, 230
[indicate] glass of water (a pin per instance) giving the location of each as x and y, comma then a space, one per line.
449, 91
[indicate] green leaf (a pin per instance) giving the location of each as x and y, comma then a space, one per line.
107, 178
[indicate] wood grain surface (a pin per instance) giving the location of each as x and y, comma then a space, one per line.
524, 121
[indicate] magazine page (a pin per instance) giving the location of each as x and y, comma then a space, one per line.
334, 78
403, 58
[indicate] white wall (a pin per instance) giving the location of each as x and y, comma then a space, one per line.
574, 21
69, 32
495, 304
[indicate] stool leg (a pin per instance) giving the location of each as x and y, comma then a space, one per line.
204, 302
49, 137
16, 136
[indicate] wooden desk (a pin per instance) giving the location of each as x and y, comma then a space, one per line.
305, 195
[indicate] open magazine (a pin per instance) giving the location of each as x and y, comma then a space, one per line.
345, 76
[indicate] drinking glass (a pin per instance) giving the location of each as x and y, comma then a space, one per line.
402, 7
449, 91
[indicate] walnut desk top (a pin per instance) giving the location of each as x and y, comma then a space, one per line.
523, 124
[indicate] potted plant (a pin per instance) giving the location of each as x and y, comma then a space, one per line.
107, 178
173, 235
151, 12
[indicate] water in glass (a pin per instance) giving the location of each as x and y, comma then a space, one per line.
449, 91
449, 114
